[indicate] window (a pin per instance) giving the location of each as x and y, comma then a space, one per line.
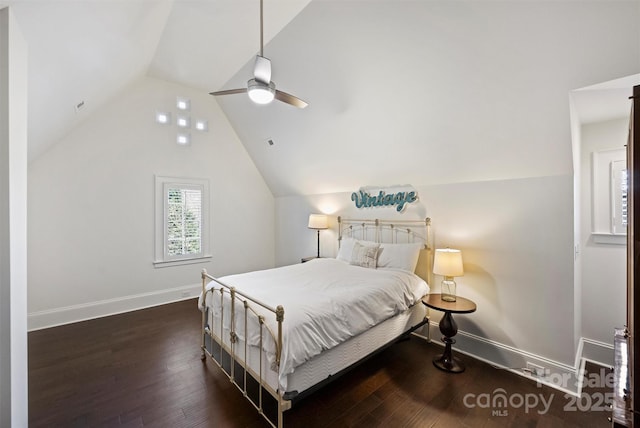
182, 207
619, 197
609, 196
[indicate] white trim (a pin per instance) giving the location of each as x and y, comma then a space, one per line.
169, 263
609, 238
595, 351
579, 352
601, 198
161, 259
581, 370
86, 311
514, 360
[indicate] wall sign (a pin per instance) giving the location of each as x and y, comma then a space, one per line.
399, 196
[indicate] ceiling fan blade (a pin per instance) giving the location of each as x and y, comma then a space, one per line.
229, 92
262, 69
290, 99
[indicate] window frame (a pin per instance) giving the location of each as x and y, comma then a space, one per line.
162, 184
604, 229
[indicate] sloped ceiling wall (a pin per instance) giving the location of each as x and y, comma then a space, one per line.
87, 51
205, 42
430, 92
82, 52
421, 92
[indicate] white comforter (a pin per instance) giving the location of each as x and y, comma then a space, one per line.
326, 301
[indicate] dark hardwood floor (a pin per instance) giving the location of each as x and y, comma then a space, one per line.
143, 368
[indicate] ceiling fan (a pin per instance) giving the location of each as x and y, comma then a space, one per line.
261, 89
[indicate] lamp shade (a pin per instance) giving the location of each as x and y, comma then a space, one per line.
448, 262
318, 221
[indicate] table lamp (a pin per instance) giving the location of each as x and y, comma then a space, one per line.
318, 222
448, 263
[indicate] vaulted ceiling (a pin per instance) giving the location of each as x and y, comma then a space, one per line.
400, 92
87, 51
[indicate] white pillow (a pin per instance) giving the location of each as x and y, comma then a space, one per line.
364, 255
345, 250
399, 256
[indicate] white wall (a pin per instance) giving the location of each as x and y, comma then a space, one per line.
91, 207
13, 225
603, 265
516, 238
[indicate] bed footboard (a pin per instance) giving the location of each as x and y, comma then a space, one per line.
225, 339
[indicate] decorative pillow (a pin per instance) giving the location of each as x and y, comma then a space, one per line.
399, 256
346, 248
364, 255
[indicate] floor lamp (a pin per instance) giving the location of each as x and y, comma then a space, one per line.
318, 222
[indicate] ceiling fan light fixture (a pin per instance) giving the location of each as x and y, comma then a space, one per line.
261, 89
261, 93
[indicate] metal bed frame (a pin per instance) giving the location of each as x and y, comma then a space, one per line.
232, 356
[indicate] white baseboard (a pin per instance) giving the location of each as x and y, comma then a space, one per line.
75, 313
597, 352
564, 377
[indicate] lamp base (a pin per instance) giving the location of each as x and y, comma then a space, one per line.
448, 290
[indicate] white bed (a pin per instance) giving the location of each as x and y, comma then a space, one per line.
307, 323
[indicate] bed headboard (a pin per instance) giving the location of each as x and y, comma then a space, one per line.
394, 232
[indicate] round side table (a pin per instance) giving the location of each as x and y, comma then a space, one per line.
448, 327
